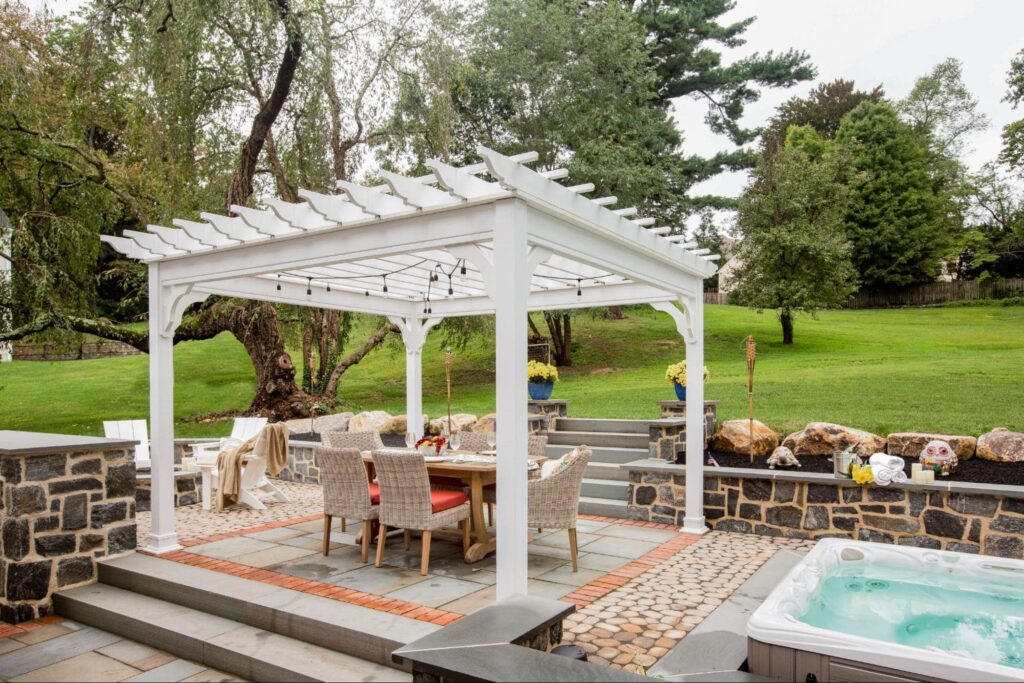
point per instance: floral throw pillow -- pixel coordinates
(553, 467)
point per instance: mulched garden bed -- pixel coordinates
(974, 470)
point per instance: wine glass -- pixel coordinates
(492, 439)
(410, 439)
(455, 442)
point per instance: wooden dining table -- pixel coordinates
(475, 475)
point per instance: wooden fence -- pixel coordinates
(937, 293)
(713, 296)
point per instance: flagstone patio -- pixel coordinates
(640, 588)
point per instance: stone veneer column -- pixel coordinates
(552, 409)
(66, 501)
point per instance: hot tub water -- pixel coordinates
(938, 609)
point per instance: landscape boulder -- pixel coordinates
(910, 444)
(370, 421)
(826, 438)
(460, 422)
(1001, 445)
(487, 423)
(398, 425)
(733, 436)
(323, 423)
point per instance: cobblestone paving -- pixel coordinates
(637, 624)
(193, 522)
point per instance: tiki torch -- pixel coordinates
(751, 349)
(448, 381)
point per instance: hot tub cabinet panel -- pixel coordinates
(787, 664)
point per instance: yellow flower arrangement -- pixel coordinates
(862, 474)
(677, 373)
(541, 372)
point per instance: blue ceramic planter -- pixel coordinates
(680, 391)
(540, 391)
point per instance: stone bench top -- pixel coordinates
(952, 486)
(14, 443)
(683, 403)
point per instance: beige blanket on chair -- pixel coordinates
(229, 463)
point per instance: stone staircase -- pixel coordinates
(613, 442)
(253, 630)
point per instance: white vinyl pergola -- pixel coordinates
(495, 237)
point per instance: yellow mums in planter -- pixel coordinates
(541, 372)
(677, 373)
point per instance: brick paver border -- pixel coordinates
(8, 630)
(581, 597)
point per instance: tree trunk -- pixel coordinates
(614, 313)
(560, 329)
(786, 318)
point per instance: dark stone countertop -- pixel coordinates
(38, 443)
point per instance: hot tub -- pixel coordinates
(869, 611)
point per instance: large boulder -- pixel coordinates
(825, 438)
(733, 436)
(910, 444)
(370, 421)
(487, 423)
(1001, 445)
(398, 425)
(323, 423)
(460, 422)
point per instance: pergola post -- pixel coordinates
(162, 536)
(693, 522)
(690, 324)
(511, 285)
(414, 335)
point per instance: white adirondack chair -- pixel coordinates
(135, 430)
(243, 429)
(254, 482)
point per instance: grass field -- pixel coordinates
(956, 370)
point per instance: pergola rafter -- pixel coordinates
(513, 240)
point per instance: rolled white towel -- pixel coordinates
(885, 460)
(883, 475)
(899, 477)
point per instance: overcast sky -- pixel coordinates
(872, 42)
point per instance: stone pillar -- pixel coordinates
(552, 409)
(678, 409)
(66, 501)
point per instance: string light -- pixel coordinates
(279, 283)
(579, 291)
(309, 286)
(434, 276)
(385, 278)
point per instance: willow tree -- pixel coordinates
(173, 108)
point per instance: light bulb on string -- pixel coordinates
(309, 286)
(328, 286)
(279, 282)
(579, 291)
(450, 290)
(385, 278)
(462, 268)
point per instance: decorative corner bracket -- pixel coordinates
(174, 300)
(682, 317)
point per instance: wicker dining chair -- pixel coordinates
(362, 441)
(474, 442)
(347, 492)
(408, 502)
(536, 446)
(553, 502)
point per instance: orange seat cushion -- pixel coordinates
(374, 494)
(445, 500)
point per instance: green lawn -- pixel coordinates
(958, 370)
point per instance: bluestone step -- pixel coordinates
(603, 488)
(602, 454)
(602, 439)
(358, 631)
(606, 470)
(574, 424)
(244, 651)
(603, 506)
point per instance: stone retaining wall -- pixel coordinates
(668, 441)
(61, 511)
(300, 465)
(964, 517)
(186, 490)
